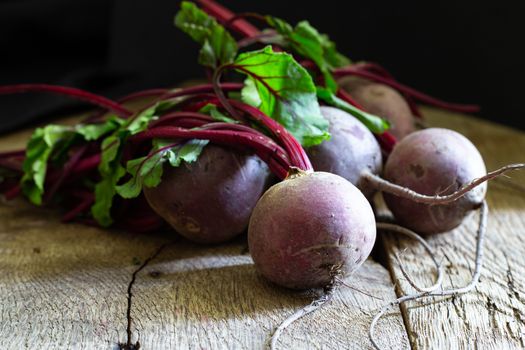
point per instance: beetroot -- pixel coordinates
(434, 161)
(351, 150)
(309, 229)
(210, 200)
(384, 101)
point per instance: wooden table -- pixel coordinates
(67, 286)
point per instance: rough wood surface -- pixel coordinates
(64, 286)
(493, 317)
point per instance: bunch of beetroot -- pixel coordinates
(201, 158)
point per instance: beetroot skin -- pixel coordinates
(308, 228)
(210, 200)
(351, 150)
(384, 101)
(434, 161)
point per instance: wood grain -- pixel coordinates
(64, 286)
(493, 317)
(213, 299)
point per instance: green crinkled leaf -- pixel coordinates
(130, 189)
(281, 26)
(147, 171)
(110, 151)
(308, 42)
(110, 168)
(92, 132)
(188, 152)
(140, 122)
(286, 91)
(218, 46)
(51, 144)
(104, 193)
(38, 151)
(373, 123)
(142, 169)
(111, 172)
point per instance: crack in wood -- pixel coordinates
(510, 282)
(397, 289)
(128, 345)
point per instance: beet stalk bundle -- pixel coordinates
(84, 158)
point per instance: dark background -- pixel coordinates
(460, 51)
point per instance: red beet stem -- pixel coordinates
(86, 164)
(197, 91)
(204, 88)
(292, 147)
(309, 64)
(356, 71)
(169, 118)
(257, 38)
(279, 152)
(223, 15)
(191, 106)
(264, 147)
(79, 94)
(294, 150)
(11, 164)
(343, 95)
(387, 141)
(188, 123)
(66, 171)
(236, 127)
(220, 93)
(86, 202)
(245, 15)
(133, 96)
(13, 192)
(143, 94)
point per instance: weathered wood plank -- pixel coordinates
(492, 317)
(64, 286)
(213, 299)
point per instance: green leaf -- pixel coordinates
(188, 152)
(140, 122)
(308, 42)
(286, 92)
(217, 115)
(51, 144)
(104, 193)
(147, 171)
(249, 93)
(38, 151)
(111, 172)
(281, 26)
(110, 151)
(92, 132)
(218, 46)
(373, 123)
(110, 168)
(133, 187)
